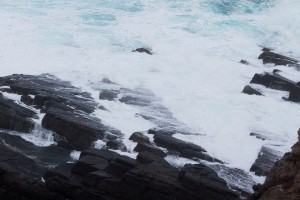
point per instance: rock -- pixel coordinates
(268, 79)
(174, 143)
(294, 94)
(249, 90)
(125, 178)
(161, 131)
(282, 182)
(15, 117)
(109, 95)
(103, 153)
(121, 165)
(143, 50)
(139, 138)
(116, 145)
(185, 149)
(237, 179)
(20, 177)
(200, 177)
(244, 62)
(276, 85)
(26, 99)
(268, 136)
(277, 59)
(131, 100)
(142, 147)
(87, 164)
(146, 157)
(265, 161)
(79, 130)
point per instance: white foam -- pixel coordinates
(75, 155)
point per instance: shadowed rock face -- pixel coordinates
(283, 180)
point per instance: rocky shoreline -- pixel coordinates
(62, 111)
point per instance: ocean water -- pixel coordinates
(194, 71)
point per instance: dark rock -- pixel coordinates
(276, 70)
(15, 117)
(109, 95)
(11, 121)
(265, 161)
(266, 49)
(116, 145)
(195, 155)
(147, 157)
(277, 59)
(141, 147)
(89, 164)
(172, 143)
(28, 100)
(237, 179)
(244, 62)
(18, 109)
(124, 178)
(200, 177)
(103, 153)
(44, 157)
(185, 149)
(131, 100)
(20, 177)
(294, 94)
(249, 90)
(279, 86)
(121, 165)
(139, 138)
(143, 50)
(80, 130)
(161, 131)
(268, 79)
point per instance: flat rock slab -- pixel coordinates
(265, 161)
(269, 57)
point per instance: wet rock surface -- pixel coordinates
(282, 182)
(103, 174)
(270, 57)
(275, 80)
(265, 161)
(48, 106)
